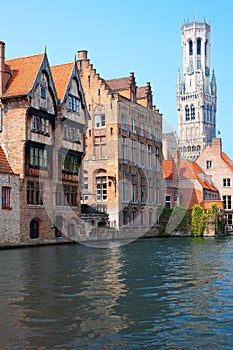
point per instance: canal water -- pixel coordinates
(172, 293)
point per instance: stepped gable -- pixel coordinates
(24, 71)
(4, 164)
(61, 76)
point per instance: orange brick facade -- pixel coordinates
(124, 127)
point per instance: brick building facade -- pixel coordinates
(219, 166)
(123, 157)
(10, 202)
(41, 127)
(186, 184)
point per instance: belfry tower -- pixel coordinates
(196, 91)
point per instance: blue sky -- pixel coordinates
(143, 37)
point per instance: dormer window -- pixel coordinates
(73, 104)
(43, 92)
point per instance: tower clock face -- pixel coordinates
(207, 71)
(190, 70)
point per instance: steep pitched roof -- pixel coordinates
(4, 164)
(187, 170)
(141, 92)
(227, 160)
(61, 76)
(167, 170)
(24, 71)
(118, 84)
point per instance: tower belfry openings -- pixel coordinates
(196, 91)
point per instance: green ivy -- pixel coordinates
(197, 221)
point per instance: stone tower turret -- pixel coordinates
(197, 94)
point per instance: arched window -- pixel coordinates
(190, 47)
(198, 148)
(193, 148)
(187, 113)
(34, 229)
(184, 149)
(189, 148)
(198, 46)
(192, 112)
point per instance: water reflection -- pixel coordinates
(158, 294)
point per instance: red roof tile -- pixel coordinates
(4, 164)
(141, 92)
(61, 76)
(118, 84)
(227, 160)
(188, 171)
(24, 70)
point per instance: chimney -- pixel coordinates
(82, 55)
(2, 66)
(217, 145)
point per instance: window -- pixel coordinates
(101, 188)
(38, 157)
(133, 151)
(150, 190)
(229, 220)
(34, 193)
(227, 202)
(124, 191)
(190, 47)
(71, 133)
(157, 197)
(156, 157)
(187, 113)
(40, 125)
(192, 112)
(149, 135)
(209, 164)
(66, 195)
(133, 128)
(141, 129)
(156, 134)
(134, 189)
(142, 154)
(133, 217)
(73, 103)
(100, 147)
(142, 189)
(124, 149)
(198, 63)
(69, 163)
(6, 197)
(168, 201)
(226, 182)
(149, 156)
(124, 217)
(99, 120)
(124, 123)
(198, 46)
(43, 92)
(85, 187)
(142, 218)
